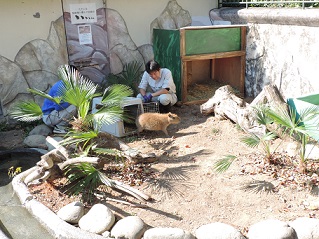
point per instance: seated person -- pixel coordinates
(157, 85)
(55, 115)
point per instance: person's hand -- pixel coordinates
(147, 98)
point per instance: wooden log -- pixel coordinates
(270, 96)
(226, 105)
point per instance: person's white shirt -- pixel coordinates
(165, 81)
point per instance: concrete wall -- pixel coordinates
(281, 49)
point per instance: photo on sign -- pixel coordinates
(85, 34)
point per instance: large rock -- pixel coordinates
(72, 212)
(306, 228)
(131, 227)
(218, 230)
(271, 228)
(41, 129)
(12, 82)
(35, 141)
(167, 233)
(173, 17)
(98, 219)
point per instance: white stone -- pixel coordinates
(218, 230)
(98, 219)
(306, 228)
(167, 233)
(271, 228)
(131, 227)
(72, 212)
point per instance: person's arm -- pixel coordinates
(160, 92)
(142, 91)
(143, 84)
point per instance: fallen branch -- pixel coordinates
(58, 146)
(93, 160)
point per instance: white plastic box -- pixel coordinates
(117, 129)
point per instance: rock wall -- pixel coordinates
(281, 48)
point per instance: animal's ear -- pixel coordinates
(169, 114)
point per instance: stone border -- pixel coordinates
(48, 219)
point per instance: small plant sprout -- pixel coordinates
(223, 164)
(12, 172)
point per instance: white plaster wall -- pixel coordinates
(18, 25)
(138, 14)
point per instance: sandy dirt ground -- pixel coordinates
(188, 193)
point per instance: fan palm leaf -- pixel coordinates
(83, 138)
(261, 115)
(83, 179)
(56, 99)
(77, 89)
(223, 164)
(108, 115)
(115, 94)
(26, 111)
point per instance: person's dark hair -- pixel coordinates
(152, 66)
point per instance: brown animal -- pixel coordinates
(156, 121)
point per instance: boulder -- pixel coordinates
(131, 227)
(72, 212)
(98, 219)
(218, 230)
(271, 228)
(167, 233)
(306, 228)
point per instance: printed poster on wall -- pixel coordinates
(85, 34)
(83, 13)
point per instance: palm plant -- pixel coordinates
(130, 76)
(301, 127)
(253, 140)
(83, 179)
(79, 91)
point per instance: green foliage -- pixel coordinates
(26, 111)
(300, 127)
(223, 164)
(83, 179)
(12, 172)
(111, 110)
(130, 76)
(80, 139)
(79, 91)
(265, 140)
